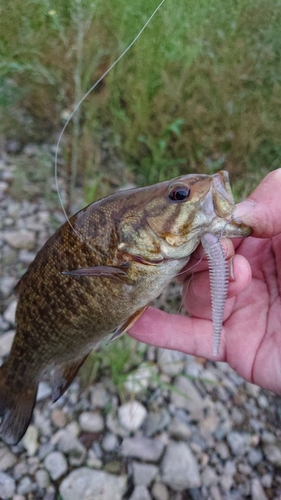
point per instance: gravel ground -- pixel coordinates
(190, 430)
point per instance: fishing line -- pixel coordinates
(80, 102)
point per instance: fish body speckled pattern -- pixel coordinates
(98, 277)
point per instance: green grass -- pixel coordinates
(200, 90)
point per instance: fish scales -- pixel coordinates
(98, 274)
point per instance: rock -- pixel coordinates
(273, 454)
(131, 415)
(42, 422)
(239, 443)
(44, 391)
(32, 150)
(45, 449)
(186, 396)
(7, 486)
(179, 467)
(30, 440)
(138, 381)
(9, 314)
(209, 424)
(170, 362)
(20, 470)
(33, 464)
(146, 449)
(179, 429)
(266, 480)
(6, 341)
(42, 478)
(115, 427)
(244, 469)
(26, 257)
(209, 477)
(160, 492)
(7, 458)
(257, 490)
(55, 464)
(110, 442)
(25, 486)
(93, 461)
(4, 325)
(254, 457)
(227, 477)
(86, 484)
(99, 396)
(7, 285)
(222, 450)
(143, 474)
(268, 437)
(20, 239)
(4, 186)
(70, 445)
(156, 422)
(140, 493)
(262, 401)
(59, 418)
(91, 421)
(215, 493)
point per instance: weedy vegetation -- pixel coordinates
(199, 91)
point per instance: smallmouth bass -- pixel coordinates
(99, 273)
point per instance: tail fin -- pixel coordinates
(16, 408)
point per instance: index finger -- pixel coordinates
(181, 333)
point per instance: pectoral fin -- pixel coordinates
(123, 327)
(118, 273)
(64, 375)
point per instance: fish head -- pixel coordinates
(168, 219)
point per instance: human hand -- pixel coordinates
(251, 335)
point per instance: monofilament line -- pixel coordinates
(80, 102)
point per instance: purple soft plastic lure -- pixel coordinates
(219, 277)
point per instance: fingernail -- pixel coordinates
(244, 208)
(231, 270)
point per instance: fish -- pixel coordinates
(98, 273)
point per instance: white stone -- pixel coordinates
(44, 391)
(140, 493)
(7, 458)
(110, 442)
(87, 484)
(30, 440)
(20, 239)
(56, 464)
(187, 396)
(139, 380)
(179, 467)
(257, 490)
(7, 486)
(131, 415)
(171, 362)
(144, 473)
(9, 314)
(6, 341)
(91, 421)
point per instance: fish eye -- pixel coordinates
(179, 193)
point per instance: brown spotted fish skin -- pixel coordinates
(99, 275)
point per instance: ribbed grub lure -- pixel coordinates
(219, 278)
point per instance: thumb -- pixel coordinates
(261, 210)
